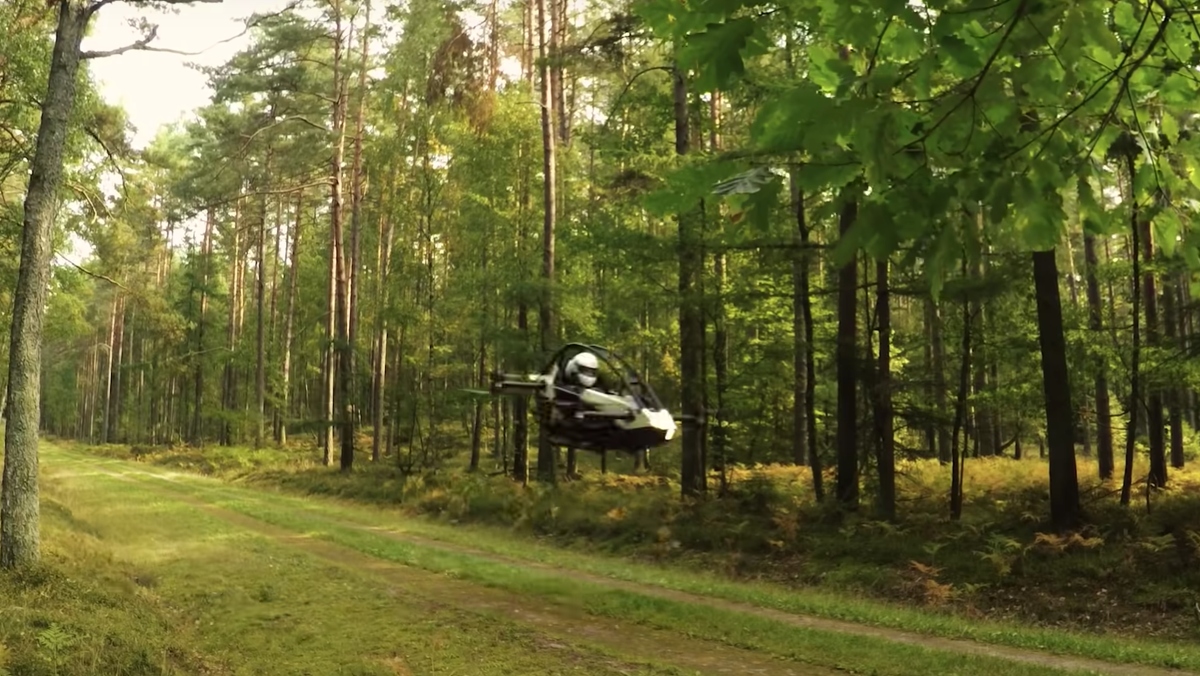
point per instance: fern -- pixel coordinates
(55, 640)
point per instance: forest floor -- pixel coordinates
(189, 574)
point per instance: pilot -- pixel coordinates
(583, 370)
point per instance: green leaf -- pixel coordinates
(961, 52)
(685, 187)
(1170, 127)
(999, 199)
(814, 177)
(826, 70)
(1038, 221)
(1191, 249)
(783, 120)
(1166, 229)
(716, 53)
(945, 250)
(879, 229)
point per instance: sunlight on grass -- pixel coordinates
(300, 514)
(137, 584)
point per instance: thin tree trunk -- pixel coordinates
(353, 274)
(847, 369)
(1154, 400)
(289, 322)
(800, 346)
(938, 355)
(386, 235)
(691, 318)
(885, 428)
(547, 78)
(260, 293)
(197, 437)
(112, 431)
(341, 399)
(1104, 439)
(1174, 395)
(958, 450)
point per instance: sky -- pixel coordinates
(158, 88)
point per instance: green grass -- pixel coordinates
(135, 583)
(313, 517)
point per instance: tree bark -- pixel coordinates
(353, 275)
(1056, 384)
(1174, 395)
(20, 536)
(691, 319)
(547, 40)
(343, 396)
(847, 369)
(197, 436)
(885, 427)
(289, 322)
(1154, 400)
(1104, 439)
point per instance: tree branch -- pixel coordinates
(143, 45)
(111, 158)
(140, 45)
(94, 275)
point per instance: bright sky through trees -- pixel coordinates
(158, 88)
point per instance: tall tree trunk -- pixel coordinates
(800, 346)
(382, 275)
(958, 450)
(196, 436)
(520, 405)
(1104, 439)
(260, 293)
(1082, 414)
(979, 364)
(342, 395)
(229, 375)
(1064, 483)
(109, 368)
(691, 318)
(20, 537)
(558, 37)
(112, 431)
(353, 275)
(885, 428)
(289, 322)
(1174, 395)
(547, 77)
(720, 433)
(933, 313)
(1135, 353)
(847, 368)
(1154, 400)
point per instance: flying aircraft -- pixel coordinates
(619, 416)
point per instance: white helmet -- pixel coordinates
(583, 368)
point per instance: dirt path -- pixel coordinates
(708, 657)
(629, 642)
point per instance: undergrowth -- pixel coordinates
(80, 612)
(1131, 570)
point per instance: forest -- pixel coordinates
(925, 269)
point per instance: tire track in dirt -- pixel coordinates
(629, 642)
(961, 646)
